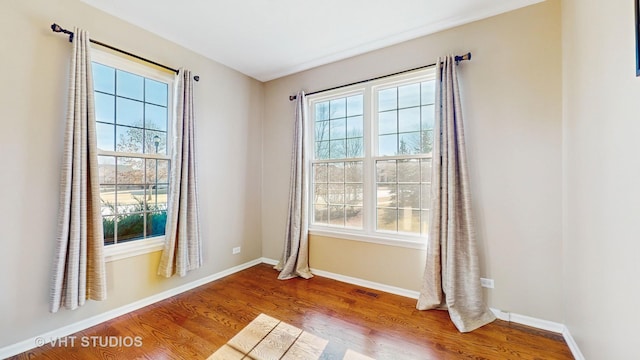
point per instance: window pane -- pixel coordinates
(336, 172)
(353, 216)
(409, 95)
(355, 148)
(387, 219)
(387, 99)
(129, 85)
(105, 136)
(337, 149)
(322, 131)
(320, 173)
(428, 92)
(104, 78)
(387, 195)
(150, 166)
(338, 129)
(386, 171)
(320, 194)
(322, 150)
(424, 219)
(426, 140)
(387, 145)
(409, 221)
(354, 127)
(409, 120)
(108, 227)
(426, 197)
(155, 142)
(409, 143)
(426, 170)
(129, 112)
(388, 122)
(163, 171)
(427, 117)
(106, 170)
(156, 223)
(336, 194)
(409, 170)
(408, 196)
(130, 227)
(336, 215)
(156, 197)
(320, 214)
(322, 111)
(354, 105)
(129, 139)
(155, 92)
(105, 108)
(155, 117)
(353, 171)
(130, 170)
(108, 200)
(337, 108)
(130, 198)
(353, 194)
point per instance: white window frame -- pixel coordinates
(368, 233)
(151, 244)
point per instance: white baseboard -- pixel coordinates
(30, 343)
(368, 284)
(529, 321)
(269, 261)
(502, 315)
(573, 346)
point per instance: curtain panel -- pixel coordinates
(79, 270)
(183, 245)
(295, 256)
(452, 274)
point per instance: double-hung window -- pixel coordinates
(133, 122)
(371, 164)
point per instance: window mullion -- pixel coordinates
(369, 168)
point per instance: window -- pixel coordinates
(371, 167)
(338, 184)
(133, 118)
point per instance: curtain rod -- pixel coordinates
(458, 58)
(57, 28)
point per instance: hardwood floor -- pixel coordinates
(196, 323)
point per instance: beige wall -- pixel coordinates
(512, 103)
(34, 61)
(601, 172)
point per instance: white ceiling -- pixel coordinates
(267, 39)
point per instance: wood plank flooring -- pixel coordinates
(193, 325)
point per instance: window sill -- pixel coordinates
(133, 248)
(419, 243)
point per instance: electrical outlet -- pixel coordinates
(487, 283)
(236, 250)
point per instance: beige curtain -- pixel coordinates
(78, 270)
(295, 256)
(452, 275)
(183, 246)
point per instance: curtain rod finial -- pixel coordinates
(57, 28)
(459, 58)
